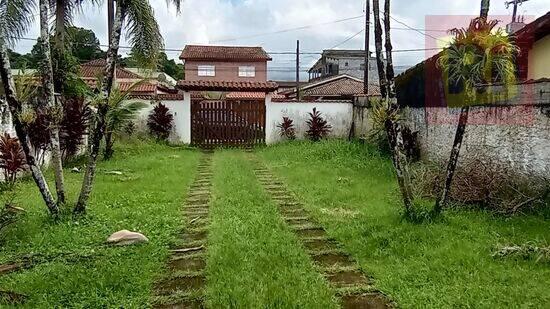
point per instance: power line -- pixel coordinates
(348, 39)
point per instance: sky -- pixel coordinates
(253, 23)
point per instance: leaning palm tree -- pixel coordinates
(144, 34)
(15, 18)
(122, 111)
(478, 55)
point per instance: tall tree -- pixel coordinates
(387, 85)
(15, 18)
(54, 109)
(144, 35)
(460, 128)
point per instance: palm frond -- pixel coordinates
(143, 31)
(176, 3)
(121, 109)
(16, 16)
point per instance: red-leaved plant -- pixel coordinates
(286, 128)
(39, 133)
(160, 122)
(74, 125)
(12, 158)
(317, 126)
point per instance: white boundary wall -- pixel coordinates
(181, 110)
(338, 115)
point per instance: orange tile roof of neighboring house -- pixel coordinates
(340, 85)
(143, 87)
(231, 53)
(94, 69)
(251, 96)
(160, 97)
(203, 85)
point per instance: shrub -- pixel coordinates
(160, 122)
(39, 133)
(286, 128)
(74, 125)
(12, 158)
(484, 182)
(317, 126)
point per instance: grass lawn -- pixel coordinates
(351, 190)
(254, 260)
(147, 198)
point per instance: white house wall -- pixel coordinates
(338, 115)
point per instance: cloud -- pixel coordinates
(215, 21)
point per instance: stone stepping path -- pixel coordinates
(184, 287)
(352, 286)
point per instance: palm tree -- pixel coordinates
(388, 108)
(477, 55)
(121, 112)
(54, 109)
(15, 18)
(144, 35)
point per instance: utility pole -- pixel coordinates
(515, 3)
(298, 70)
(367, 52)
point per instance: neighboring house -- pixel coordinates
(288, 85)
(350, 62)
(340, 87)
(225, 63)
(161, 77)
(91, 72)
(534, 43)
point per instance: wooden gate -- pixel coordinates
(227, 123)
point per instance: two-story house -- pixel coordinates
(225, 63)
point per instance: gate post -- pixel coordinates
(186, 130)
(268, 119)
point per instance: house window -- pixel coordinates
(207, 70)
(247, 71)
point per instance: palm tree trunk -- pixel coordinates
(20, 129)
(484, 12)
(109, 143)
(399, 148)
(378, 47)
(59, 48)
(453, 160)
(102, 109)
(459, 137)
(387, 88)
(53, 108)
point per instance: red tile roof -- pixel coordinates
(337, 86)
(203, 85)
(251, 96)
(230, 53)
(160, 97)
(143, 87)
(94, 69)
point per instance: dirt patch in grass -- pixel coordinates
(187, 264)
(183, 284)
(319, 245)
(365, 301)
(187, 304)
(313, 232)
(347, 278)
(333, 259)
(192, 236)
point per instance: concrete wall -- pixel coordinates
(338, 115)
(226, 71)
(515, 133)
(181, 110)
